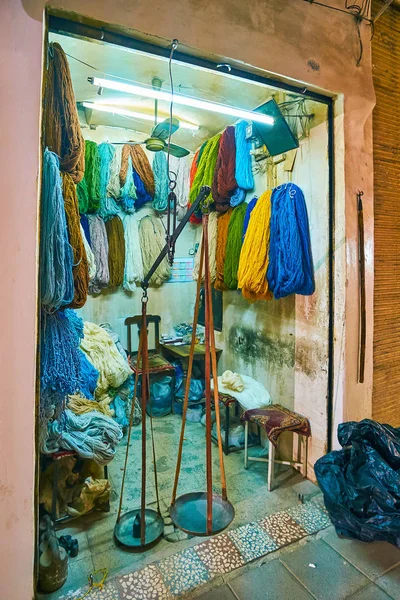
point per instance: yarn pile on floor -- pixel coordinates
(91, 435)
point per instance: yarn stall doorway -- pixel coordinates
(112, 151)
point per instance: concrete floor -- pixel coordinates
(246, 490)
(321, 567)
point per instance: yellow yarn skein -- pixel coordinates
(254, 257)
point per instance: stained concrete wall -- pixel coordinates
(296, 40)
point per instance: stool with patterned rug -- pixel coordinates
(274, 420)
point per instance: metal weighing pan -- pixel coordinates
(189, 513)
(127, 529)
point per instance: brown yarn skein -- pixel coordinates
(116, 251)
(222, 237)
(81, 269)
(143, 168)
(62, 132)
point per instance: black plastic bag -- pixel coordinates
(361, 482)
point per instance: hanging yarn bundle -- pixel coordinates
(99, 244)
(92, 435)
(101, 351)
(205, 170)
(290, 269)
(81, 268)
(253, 262)
(88, 377)
(85, 225)
(133, 271)
(180, 168)
(222, 237)
(88, 189)
(89, 255)
(249, 210)
(142, 195)
(114, 185)
(224, 182)
(60, 364)
(161, 179)
(56, 256)
(142, 167)
(243, 171)
(108, 206)
(62, 132)
(116, 251)
(234, 246)
(212, 248)
(152, 241)
(128, 194)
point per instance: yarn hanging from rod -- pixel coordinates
(114, 184)
(116, 251)
(108, 206)
(92, 436)
(222, 237)
(212, 248)
(224, 182)
(254, 256)
(234, 246)
(128, 195)
(142, 167)
(249, 210)
(152, 241)
(161, 179)
(243, 170)
(80, 265)
(85, 225)
(290, 269)
(142, 195)
(205, 170)
(62, 131)
(133, 271)
(88, 189)
(56, 255)
(88, 377)
(99, 244)
(89, 255)
(180, 167)
(60, 363)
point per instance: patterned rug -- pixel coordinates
(176, 575)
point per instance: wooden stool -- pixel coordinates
(274, 420)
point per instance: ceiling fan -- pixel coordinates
(160, 132)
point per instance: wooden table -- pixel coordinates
(182, 352)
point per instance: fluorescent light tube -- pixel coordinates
(222, 109)
(132, 114)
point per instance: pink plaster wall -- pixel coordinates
(287, 37)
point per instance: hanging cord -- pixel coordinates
(171, 180)
(189, 376)
(138, 358)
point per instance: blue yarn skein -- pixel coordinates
(160, 170)
(108, 206)
(243, 171)
(143, 195)
(60, 363)
(290, 269)
(56, 256)
(86, 229)
(129, 192)
(249, 210)
(88, 376)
